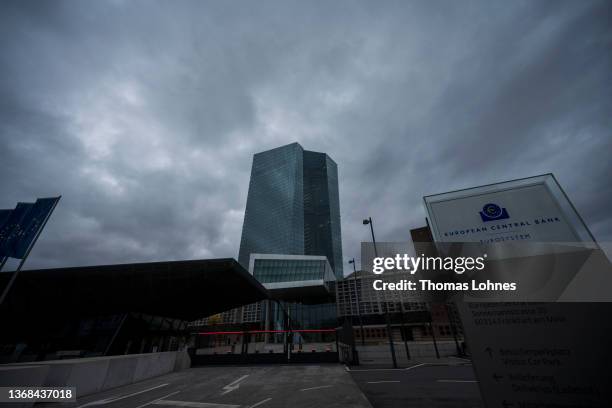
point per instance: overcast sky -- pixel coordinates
(144, 116)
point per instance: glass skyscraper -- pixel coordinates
(293, 206)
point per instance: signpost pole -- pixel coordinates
(451, 319)
(405, 332)
(352, 261)
(387, 317)
(390, 335)
(433, 335)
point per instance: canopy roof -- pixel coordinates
(185, 290)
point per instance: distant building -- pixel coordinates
(293, 206)
(410, 318)
(413, 316)
(251, 313)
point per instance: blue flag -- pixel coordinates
(32, 223)
(4, 215)
(12, 228)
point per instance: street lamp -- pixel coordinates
(352, 261)
(368, 221)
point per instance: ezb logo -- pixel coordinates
(493, 212)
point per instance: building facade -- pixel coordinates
(293, 277)
(293, 206)
(411, 319)
(291, 241)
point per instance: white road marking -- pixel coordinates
(194, 404)
(461, 358)
(415, 366)
(387, 369)
(458, 381)
(316, 388)
(260, 403)
(234, 385)
(377, 369)
(380, 382)
(111, 399)
(155, 400)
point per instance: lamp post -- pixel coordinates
(451, 318)
(352, 261)
(369, 221)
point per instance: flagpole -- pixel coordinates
(42, 227)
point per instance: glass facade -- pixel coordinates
(312, 311)
(274, 216)
(318, 316)
(291, 270)
(305, 317)
(334, 218)
(322, 209)
(293, 206)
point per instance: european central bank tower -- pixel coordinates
(293, 206)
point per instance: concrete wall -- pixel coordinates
(91, 375)
(26, 376)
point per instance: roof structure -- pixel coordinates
(184, 290)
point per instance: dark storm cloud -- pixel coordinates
(145, 115)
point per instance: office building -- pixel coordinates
(290, 243)
(293, 206)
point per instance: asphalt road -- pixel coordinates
(420, 385)
(273, 386)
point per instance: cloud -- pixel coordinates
(145, 115)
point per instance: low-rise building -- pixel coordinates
(410, 318)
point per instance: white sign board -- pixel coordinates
(534, 209)
(531, 354)
(541, 354)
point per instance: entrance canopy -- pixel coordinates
(185, 290)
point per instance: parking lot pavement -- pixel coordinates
(420, 385)
(272, 386)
